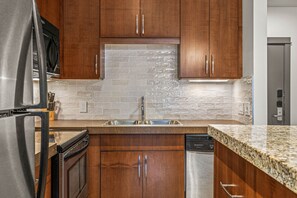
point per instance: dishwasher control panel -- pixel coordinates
(201, 142)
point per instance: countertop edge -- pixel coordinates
(269, 165)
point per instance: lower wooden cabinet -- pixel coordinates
(163, 174)
(136, 166)
(48, 187)
(236, 176)
(121, 174)
(142, 174)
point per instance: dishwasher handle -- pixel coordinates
(76, 152)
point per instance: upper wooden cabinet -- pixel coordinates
(50, 10)
(119, 18)
(211, 39)
(160, 18)
(140, 18)
(80, 44)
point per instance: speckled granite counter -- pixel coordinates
(98, 127)
(272, 149)
(58, 138)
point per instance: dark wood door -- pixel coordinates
(194, 48)
(121, 174)
(160, 18)
(119, 18)
(225, 38)
(163, 174)
(80, 39)
(51, 11)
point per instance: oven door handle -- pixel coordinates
(77, 152)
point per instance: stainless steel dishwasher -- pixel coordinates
(199, 166)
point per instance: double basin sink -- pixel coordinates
(144, 123)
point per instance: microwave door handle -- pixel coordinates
(43, 152)
(41, 59)
(77, 152)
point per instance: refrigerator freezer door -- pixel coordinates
(17, 156)
(16, 59)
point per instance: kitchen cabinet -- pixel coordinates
(119, 18)
(140, 18)
(211, 39)
(239, 177)
(80, 40)
(48, 187)
(136, 166)
(163, 174)
(142, 174)
(121, 174)
(93, 164)
(50, 10)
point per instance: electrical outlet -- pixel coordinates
(241, 109)
(247, 109)
(83, 107)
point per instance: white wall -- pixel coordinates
(260, 61)
(247, 38)
(282, 22)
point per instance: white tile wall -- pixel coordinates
(133, 71)
(242, 95)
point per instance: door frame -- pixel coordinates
(286, 42)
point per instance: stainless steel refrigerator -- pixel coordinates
(17, 111)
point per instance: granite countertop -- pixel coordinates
(57, 138)
(98, 127)
(272, 149)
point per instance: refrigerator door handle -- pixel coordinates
(43, 152)
(41, 59)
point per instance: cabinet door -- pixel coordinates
(121, 174)
(233, 172)
(48, 187)
(81, 39)
(163, 174)
(194, 48)
(119, 18)
(50, 10)
(224, 38)
(160, 18)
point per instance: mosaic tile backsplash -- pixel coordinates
(133, 71)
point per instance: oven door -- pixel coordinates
(74, 172)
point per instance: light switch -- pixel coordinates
(247, 109)
(241, 109)
(83, 107)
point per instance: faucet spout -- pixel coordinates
(142, 109)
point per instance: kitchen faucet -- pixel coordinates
(142, 109)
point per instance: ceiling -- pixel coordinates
(282, 3)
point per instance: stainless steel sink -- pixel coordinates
(121, 122)
(139, 122)
(162, 122)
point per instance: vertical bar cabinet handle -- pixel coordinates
(96, 64)
(145, 165)
(143, 24)
(206, 64)
(139, 167)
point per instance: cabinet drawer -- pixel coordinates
(142, 142)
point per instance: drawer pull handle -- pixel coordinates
(145, 165)
(206, 64)
(139, 167)
(224, 186)
(137, 24)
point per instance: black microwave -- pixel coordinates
(51, 41)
